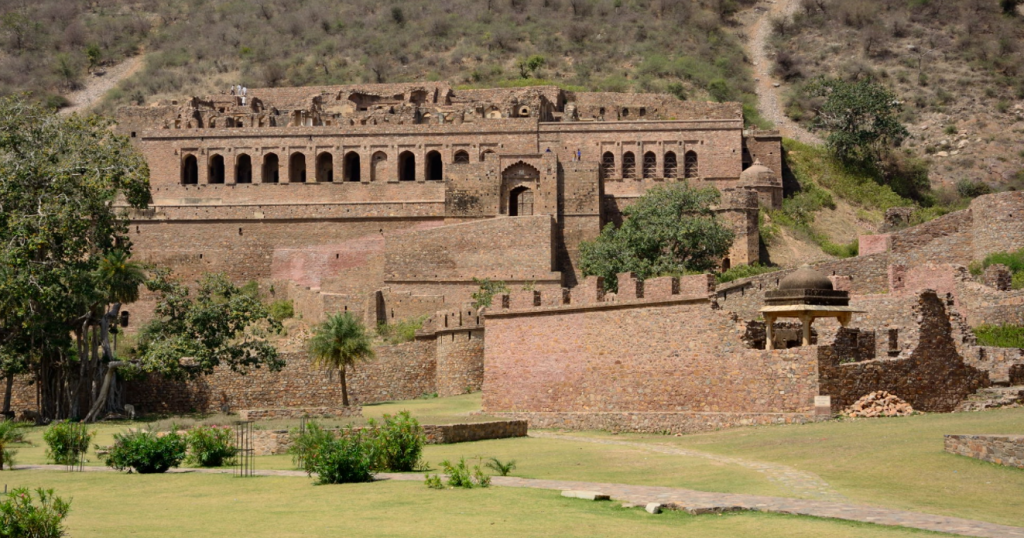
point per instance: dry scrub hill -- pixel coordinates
(197, 47)
(958, 65)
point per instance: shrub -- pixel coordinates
(211, 446)
(403, 331)
(67, 442)
(1013, 260)
(460, 476)
(20, 517)
(307, 443)
(502, 468)
(282, 309)
(146, 452)
(971, 189)
(488, 289)
(396, 443)
(342, 460)
(1000, 335)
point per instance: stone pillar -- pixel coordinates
(769, 332)
(806, 321)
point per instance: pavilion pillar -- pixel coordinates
(769, 332)
(807, 320)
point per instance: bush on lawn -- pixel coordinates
(146, 452)
(211, 446)
(21, 517)
(67, 442)
(396, 443)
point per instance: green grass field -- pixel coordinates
(109, 504)
(896, 463)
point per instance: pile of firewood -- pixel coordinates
(879, 404)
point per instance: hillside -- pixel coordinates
(958, 67)
(204, 46)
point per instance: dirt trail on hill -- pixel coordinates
(97, 86)
(768, 95)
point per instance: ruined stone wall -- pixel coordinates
(998, 223)
(931, 377)
(460, 361)
(999, 449)
(654, 422)
(400, 372)
(764, 146)
(638, 356)
(997, 361)
(919, 237)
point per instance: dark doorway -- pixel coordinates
(520, 202)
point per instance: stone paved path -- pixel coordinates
(800, 483)
(698, 502)
(96, 87)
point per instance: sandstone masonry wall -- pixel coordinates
(999, 449)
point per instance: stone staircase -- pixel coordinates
(993, 397)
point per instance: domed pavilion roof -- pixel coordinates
(806, 278)
(757, 174)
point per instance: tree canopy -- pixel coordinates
(669, 230)
(338, 343)
(862, 118)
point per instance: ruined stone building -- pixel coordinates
(416, 189)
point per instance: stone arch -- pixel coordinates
(216, 172)
(190, 170)
(671, 165)
(628, 165)
(493, 113)
(483, 156)
(650, 168)
(406, 166)
(297, 168)
(243, 168)
(608, 164)
(378, 165)
(271, 168)
(352, 167)
(520, 202)
(435, 168)
(461, 156)
(325, 167)
(691, 167)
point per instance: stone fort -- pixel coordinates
(388, 200)
(417, 189)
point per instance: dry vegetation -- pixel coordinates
(199, 46)
(958, 66)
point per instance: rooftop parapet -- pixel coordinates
(591, 293)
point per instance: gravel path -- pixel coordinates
(768, 95)
(696, 502)
(802, 483)
(97, 86)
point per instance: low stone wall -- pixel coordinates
(269, 442)
(657, 422)
(997, 361)
(999, 449)
(300, 412)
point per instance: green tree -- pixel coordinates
(862, 118)
(528, 67)
(339, 343)
(67, 186)
(10, 433)
(669, 230)
(191, 336)
(488, 288)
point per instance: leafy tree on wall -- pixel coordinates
(669, 230)
(338, 344)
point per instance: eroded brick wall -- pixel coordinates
(460, 361)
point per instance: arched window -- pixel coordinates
(406, 166)
(520, 202)
(726, 264)
(216, 170)
(650, 165)
(690, 169)
(378, 166)
(435, 169)
(352, 169)
(243, 170)
(461, 156)
(190, 170)
(325, 167)
(671, 166)
(483, 156)
(297, 168)
(608, 164)
(271, 168)
(628, 165)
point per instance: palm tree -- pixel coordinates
(119, 278)
(10, 432)
(337, 343)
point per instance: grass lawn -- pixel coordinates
(115, 504)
